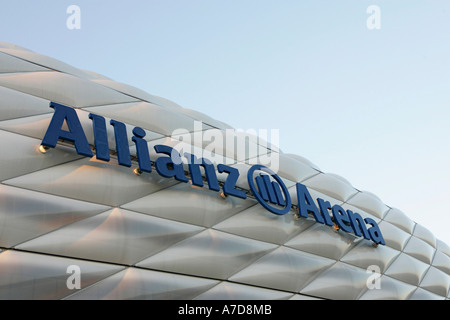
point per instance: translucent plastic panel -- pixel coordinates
(210, 254)
(369, 202)
(91, 75)
(303, 159)
(12, 64)
(436, 281)
(63, 88)
(93, 180)
(362, 212)
(303, 297)
(388, 289)
(203, 117)
(323, 241)
(33, 126)
(27, 214)
(15, 104)
(138, 284)
(149, 116)
(265, 157)
(20, 155)
(43, 60)
(7, 45)
(442, 262)
(26, 276)
(407, 269)
(399, 219)
(365, 255)
(421, 294)
(130, 90)
(194, 205)
(234, 291)
(393, 236)
(160, 101)
(443, 247)
(293, 169)
(284, 269)
(258, 223)
(138, 93)
(118, 236)
(332, 186)
(426, 235)
(419, 249)
(254, 147)
(340, 282)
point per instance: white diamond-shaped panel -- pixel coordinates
(234, 291)
(133, 283)
(25, 276)
(283, 269)
(31, 159)
(197, 206)
(15, 104)
(10, 64)
(63, 88)
(211, 253)
(118, 236)
(96, 181)
(25, 214)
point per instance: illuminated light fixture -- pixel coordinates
(43, 149)
(297, 214)
(137, 171)
(335, 227)
(193, 186)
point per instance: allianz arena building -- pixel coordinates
(98, 201)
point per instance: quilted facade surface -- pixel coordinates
(144, 236)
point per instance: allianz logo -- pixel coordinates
(264, 184)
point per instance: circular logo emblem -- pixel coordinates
(271, 194)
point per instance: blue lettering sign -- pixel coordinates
(75, 133)
(230, 182)
(267, 187)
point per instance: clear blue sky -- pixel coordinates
(369, 105)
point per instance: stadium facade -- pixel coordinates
(98, 201)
